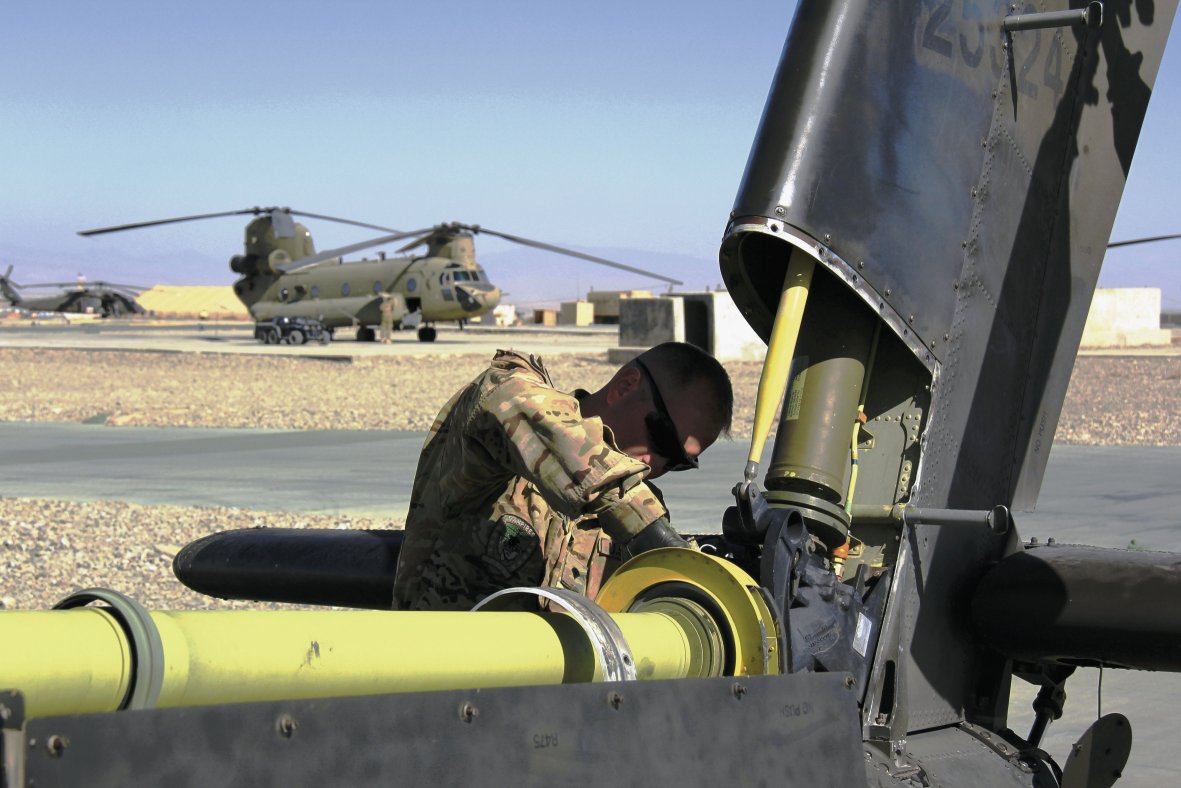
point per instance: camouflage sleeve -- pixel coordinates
(526, 426)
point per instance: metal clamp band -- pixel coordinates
(606, 638)
(147, 649)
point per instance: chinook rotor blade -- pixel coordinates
(345, 221)
(280, 217)
(1132, 241)
(320, 257)
(154, 222)
(569, 253)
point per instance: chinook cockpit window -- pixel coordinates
(462, 276)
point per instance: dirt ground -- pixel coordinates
(49, 548)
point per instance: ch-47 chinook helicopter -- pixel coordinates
(917, 236)
(106, 299)
(282, 275)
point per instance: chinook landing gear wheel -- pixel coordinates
(427, 334)
(365, 334)
(296, 337)
(271, 337)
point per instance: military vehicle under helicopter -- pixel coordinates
(105, 299)
(917, 236)
(282, 275)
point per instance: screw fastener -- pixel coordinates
(55, 745)
(286, 726)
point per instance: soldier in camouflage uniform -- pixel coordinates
(520, 484)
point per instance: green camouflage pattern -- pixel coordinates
(516, 488)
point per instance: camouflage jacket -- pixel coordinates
(516, 488)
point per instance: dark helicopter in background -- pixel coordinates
(105, 299)
(282, 275)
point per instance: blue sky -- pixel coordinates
(615, 127)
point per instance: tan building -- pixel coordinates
(193, 302)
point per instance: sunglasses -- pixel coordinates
(662, 432)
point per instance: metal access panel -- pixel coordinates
(962, 179)
(784, 730)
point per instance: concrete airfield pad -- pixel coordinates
(238, 337)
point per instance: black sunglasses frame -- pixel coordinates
(662, 430)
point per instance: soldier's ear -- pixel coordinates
(625, 383)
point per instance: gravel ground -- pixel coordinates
(49, 548)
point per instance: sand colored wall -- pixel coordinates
(1125, 317)
(193, 301)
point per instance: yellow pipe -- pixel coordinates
(74, 661)
(781, 349)
(66, 662)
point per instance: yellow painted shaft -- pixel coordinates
(75, 661)
(781, 349)
(69, 662)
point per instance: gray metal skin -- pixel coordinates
(769, 730)
(960, 182)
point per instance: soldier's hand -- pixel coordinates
(656, 534)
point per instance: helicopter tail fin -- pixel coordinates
(8, 287)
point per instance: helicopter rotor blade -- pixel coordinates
(320, 257)
(571, 253)
(1132, 241)
(345, 221)
(136, 225)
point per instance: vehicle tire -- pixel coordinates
(271, 337)
(296, 337)
(325, 337)
(427, 334)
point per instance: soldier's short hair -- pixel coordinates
(681, 364)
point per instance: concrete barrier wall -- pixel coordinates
(576, 313)
(1125, 317)
(708, 320)
(644, 322)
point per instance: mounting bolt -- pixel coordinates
(887, 292)
(850, 682)
(738, 690)
(614, 700)
(468, 712)
(286, 726)
(780, 211)
(55, 745)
